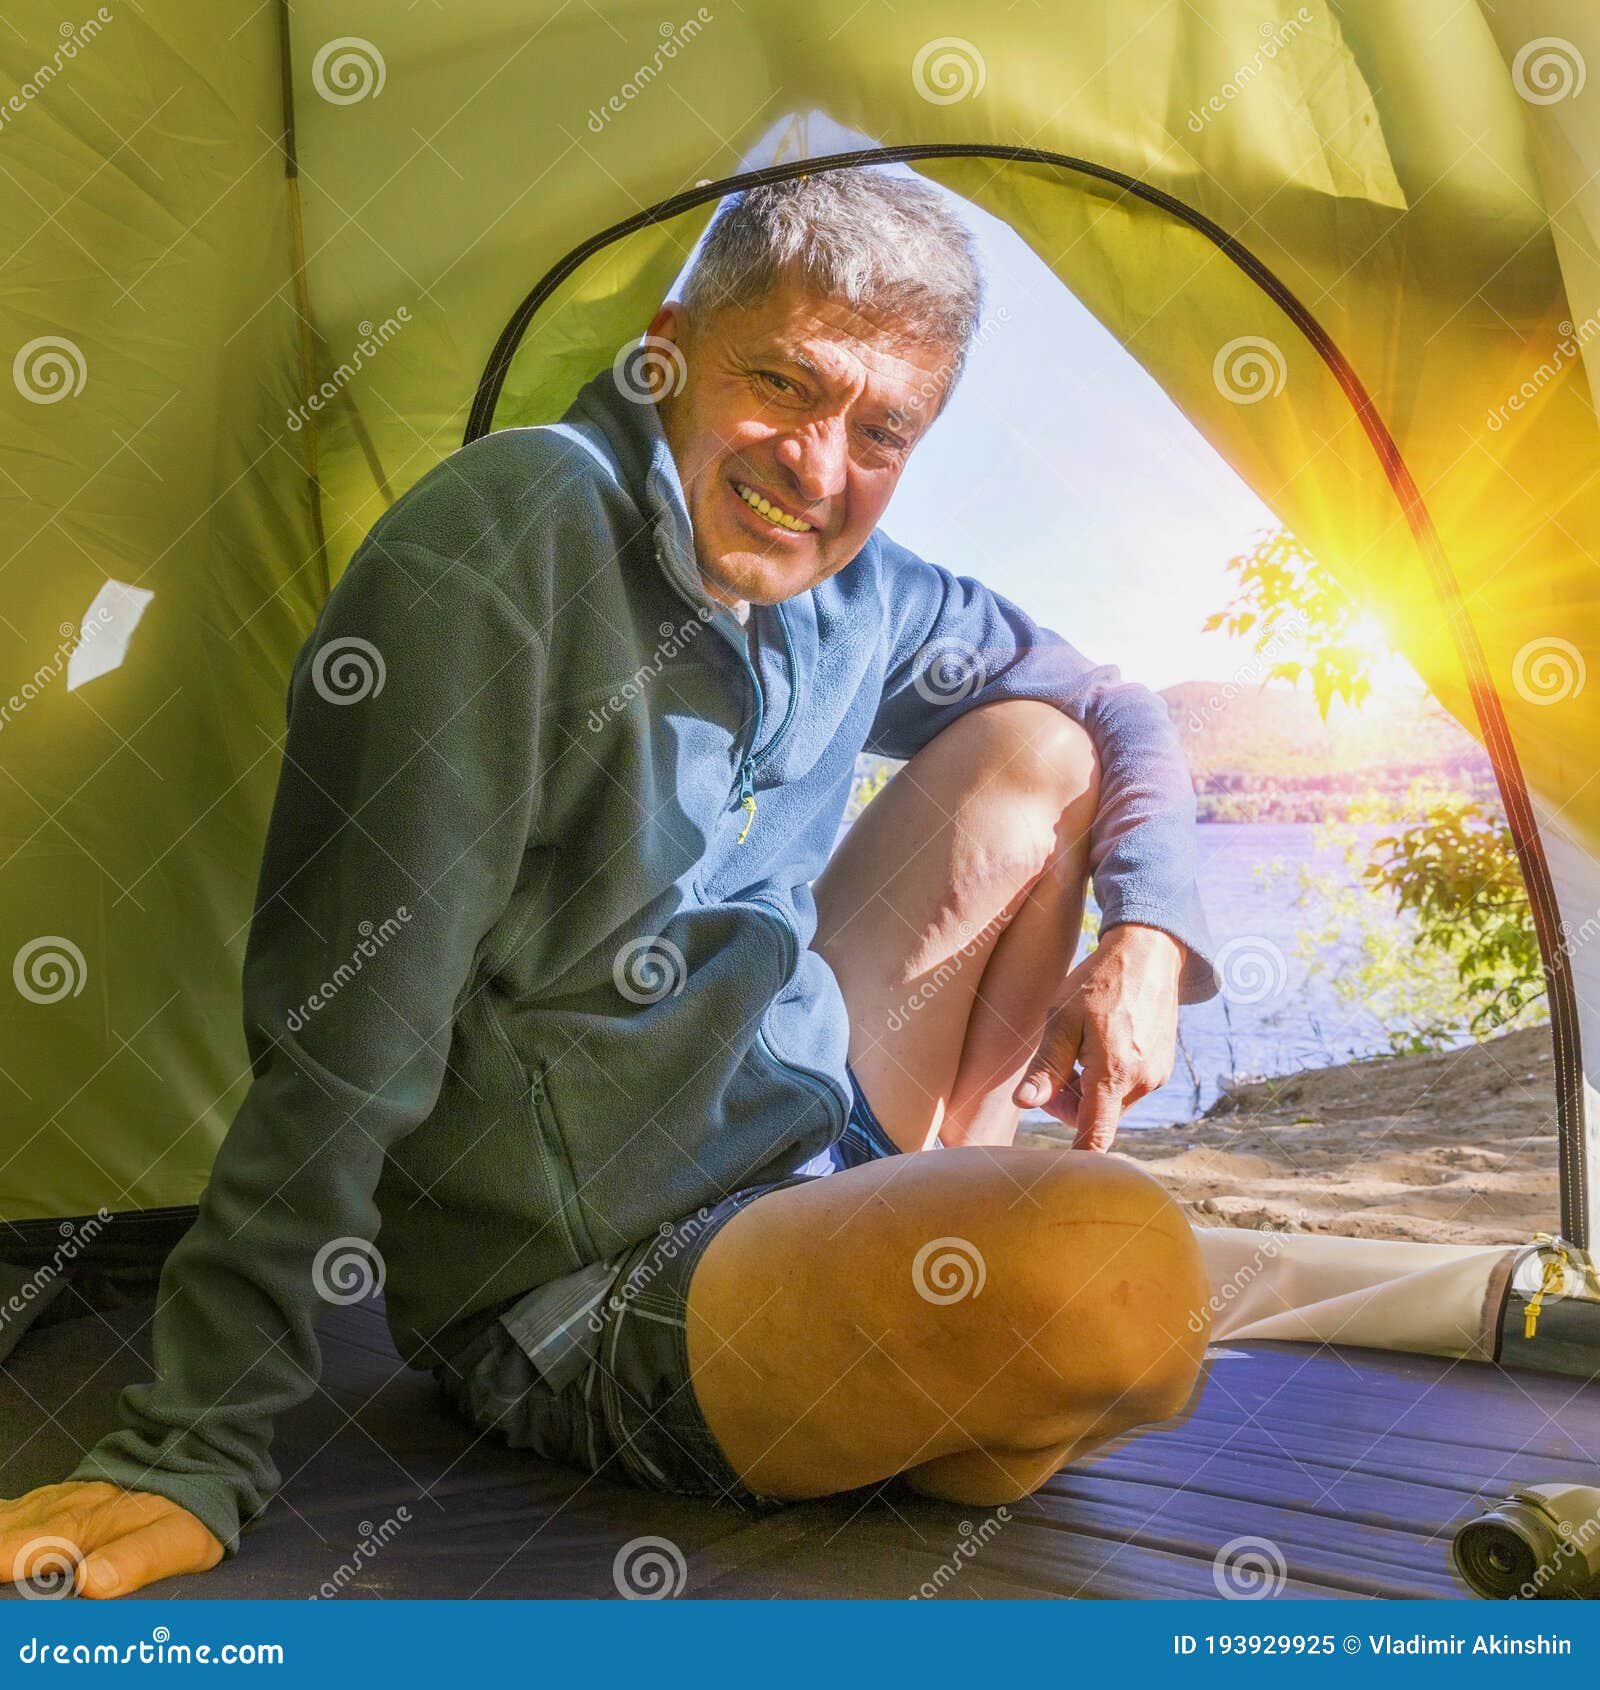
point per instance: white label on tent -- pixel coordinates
(108, 625)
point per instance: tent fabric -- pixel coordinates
(1428, 1299)
(1331, 1472)
(258, 256)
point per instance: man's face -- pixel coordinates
(804, 403)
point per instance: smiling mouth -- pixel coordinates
(780, 519)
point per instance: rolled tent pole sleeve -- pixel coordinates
(401, 816)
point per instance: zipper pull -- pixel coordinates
(747, 798)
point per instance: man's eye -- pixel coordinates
(781, 383)
(882, 437)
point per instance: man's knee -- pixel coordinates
(1033, 770)
(1105, 1299)
(1024, 742)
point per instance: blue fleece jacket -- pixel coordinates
(530, 971)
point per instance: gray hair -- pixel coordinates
(886, 244)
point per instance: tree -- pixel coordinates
(1299, 618)
(1456, 874)
(1451, 872)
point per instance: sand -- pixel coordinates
(1458, 1148)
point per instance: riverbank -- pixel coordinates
(1454, 1148)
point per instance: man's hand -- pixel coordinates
(117, 1540)
(1118, 1022)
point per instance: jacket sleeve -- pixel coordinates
(402, 812)
(954, 644)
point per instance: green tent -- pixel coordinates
(266, 264)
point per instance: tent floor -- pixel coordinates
(1354, 1463)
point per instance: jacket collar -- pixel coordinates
(615, 403)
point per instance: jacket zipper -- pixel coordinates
(743, 790)
(752, 758)
(794, 690)
(545, 1112)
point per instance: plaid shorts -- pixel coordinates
(604, 1386)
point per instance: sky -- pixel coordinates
(1062, 476)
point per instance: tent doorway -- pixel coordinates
(552, 342)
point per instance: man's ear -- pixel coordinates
(669, 323)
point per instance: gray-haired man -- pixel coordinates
(690, 1142)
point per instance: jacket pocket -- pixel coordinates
(556, 1164)
(550, 1159)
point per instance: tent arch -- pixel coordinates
(1490, 714)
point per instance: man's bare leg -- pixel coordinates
(827, 1347)
(971, 1318)
(950, 915)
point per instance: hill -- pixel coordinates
(1265, 754)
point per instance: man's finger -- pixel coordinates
(176, 1543)
(1037, 1088)
(1098, 1116)
(1050, 1069)
(1068, 1101)
(1101, 1108)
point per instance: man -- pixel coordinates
(552, 974)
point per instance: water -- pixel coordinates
(1273, 1016)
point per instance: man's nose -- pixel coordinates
(815, 457)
